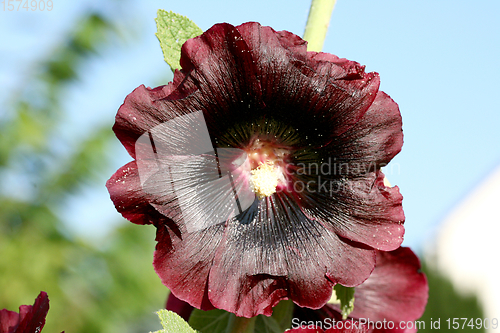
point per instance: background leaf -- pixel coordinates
(172, 322)
(217, 321)
(283, 314)
(213, 321)
(265, 324)
(346, 297)
(172, 31)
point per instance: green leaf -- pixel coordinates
(213, 321)
(173, 30)
(346, 297)
(283, 314)
(220, 321)
(172, 322)
(265, 324)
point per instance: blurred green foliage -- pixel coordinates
(108, 289)
(445, 302)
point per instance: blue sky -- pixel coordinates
(437, 59)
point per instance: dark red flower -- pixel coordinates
(390, 300)
(30, 319)
(260, 167)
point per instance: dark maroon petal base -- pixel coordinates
(182, 308)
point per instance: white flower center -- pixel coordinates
(264, 179)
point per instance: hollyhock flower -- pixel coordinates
(390, 300)
(30, 319)
(259, 165)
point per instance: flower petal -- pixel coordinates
(215, 56)
(397, 290)
(8, 321)
(32, 318)
(220, 64)
(333, 66)
(344, 184)
(129, 198)
(362, 210)
(146, 108)
(319, 103)
(183, 262)
(372, 142)
(279, 255)
(138, 114)
(250, 71)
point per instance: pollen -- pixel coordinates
(334, 299)
(264, 179)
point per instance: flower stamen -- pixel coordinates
(264, 179)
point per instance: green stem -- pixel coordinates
(317, 23)
(241, 325)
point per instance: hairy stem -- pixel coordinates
(317, 23)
